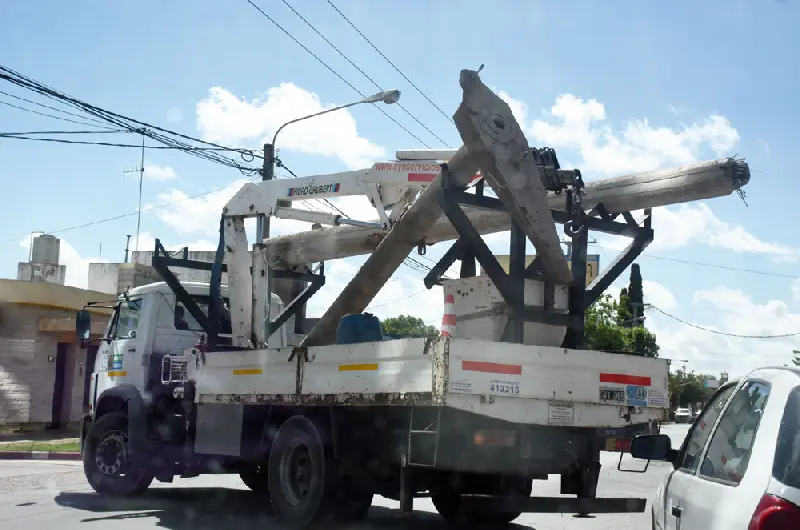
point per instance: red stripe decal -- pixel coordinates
(428, 177)
(449, 320)
(491, 368)
(623, 379)
(421, 177)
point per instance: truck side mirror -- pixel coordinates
(83, 325)
(652, 447)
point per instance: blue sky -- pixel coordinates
(695, 77)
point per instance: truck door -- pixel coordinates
(116, 359)
(682, 481)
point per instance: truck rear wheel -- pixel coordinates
(107, 462)
(299, 474)
(353, 499)
(447, 501)
(255, 478)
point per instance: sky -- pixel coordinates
(614, 91)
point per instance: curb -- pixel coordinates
(38, 455)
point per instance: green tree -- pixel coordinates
(408, 326)
(604, 330)
(688, 388)
(635, 297)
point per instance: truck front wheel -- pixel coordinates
(107, 462)
(299, 474)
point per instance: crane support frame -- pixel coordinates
(470, 246)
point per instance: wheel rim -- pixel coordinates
(296, 473)
(111, 454)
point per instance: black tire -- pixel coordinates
(299, 474)
(107, 440)
(255, 478)
(353, 499)
(447, 502)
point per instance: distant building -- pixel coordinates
(44, 373)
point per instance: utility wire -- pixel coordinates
(334, 72)
(701, 328)
(83, 117)
(62, 118)
(164, 136)
(16, 136)
(701, 264)
(346, 58)
(32, 133)
(443, 113)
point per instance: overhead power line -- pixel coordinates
(334, 72)
(354, 65)
(710, 265)
(17, 136)
(159, 134)
(61, 118)
(20, 98)
(716, 332)
(418, 89)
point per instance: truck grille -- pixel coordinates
(174, 369)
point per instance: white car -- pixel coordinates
(683, 416)
(739, 466)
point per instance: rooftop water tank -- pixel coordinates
(46, 249)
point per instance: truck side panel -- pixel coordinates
(555, 386)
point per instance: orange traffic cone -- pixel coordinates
(449, 317)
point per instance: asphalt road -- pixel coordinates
(54, 496)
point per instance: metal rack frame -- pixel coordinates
(470, 246)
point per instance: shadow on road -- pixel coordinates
(215, 508)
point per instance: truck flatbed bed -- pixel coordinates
(517, 383)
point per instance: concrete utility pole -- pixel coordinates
(638, 191)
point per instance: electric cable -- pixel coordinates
(354, 65)
(334, 72)
(418, 89)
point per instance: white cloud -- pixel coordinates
(157, 173)
(695, 223)
(658, 295)
(734, 312)
(175, 115)
(224, 118)
(796, 290)
(577, 124)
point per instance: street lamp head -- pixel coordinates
(387, 96)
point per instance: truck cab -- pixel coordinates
(149, 323)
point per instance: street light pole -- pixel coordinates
(268, 170)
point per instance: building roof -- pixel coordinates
(50, 295)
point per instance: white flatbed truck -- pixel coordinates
(470, 419)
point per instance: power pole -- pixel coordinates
(267, 173)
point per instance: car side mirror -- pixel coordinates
(652, 447)
(83, 325)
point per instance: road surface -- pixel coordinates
(54, 496)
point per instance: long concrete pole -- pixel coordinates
(651, 189)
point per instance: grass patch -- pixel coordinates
(60, 446)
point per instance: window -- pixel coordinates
(696, 441)
(185, 321)
(729, 451)
(126, 319)
(786, 467)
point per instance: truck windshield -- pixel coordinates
(126, 319)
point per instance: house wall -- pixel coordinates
(28, 366)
